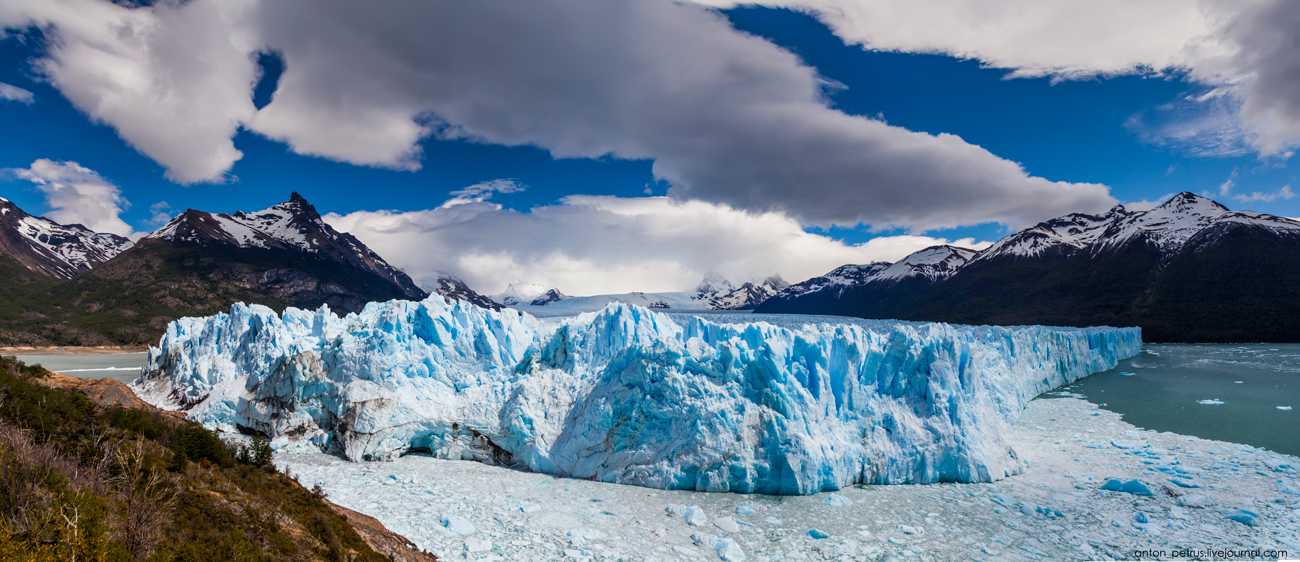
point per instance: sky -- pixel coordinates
(610, 147)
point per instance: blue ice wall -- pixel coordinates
(628, 395)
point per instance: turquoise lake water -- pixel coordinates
(124, 367)
(1229, 392)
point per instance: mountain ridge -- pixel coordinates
(1178, 270)
(54, 249)
(200, 263)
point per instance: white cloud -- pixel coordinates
(727, 117)
(1247, 51)
(484, 191)
(601, 244)
(1060, 38)
(1148, 204)
(1283, 193)
(174, 80)
(10, 92)
(159, 213)
(1225, 188)
(78, 195)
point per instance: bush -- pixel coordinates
(82, 482)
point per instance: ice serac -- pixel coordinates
(626, 394)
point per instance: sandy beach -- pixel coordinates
(71, 350)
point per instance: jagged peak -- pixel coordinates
(714, 282)
(775, 281)
(1187, 201)
(933, 263)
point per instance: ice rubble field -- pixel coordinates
(1206, 495)
(627, 395)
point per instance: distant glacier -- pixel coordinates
(626, 394)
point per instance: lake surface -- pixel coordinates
(1228, 392)
(124, 367)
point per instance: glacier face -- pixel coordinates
(626, 394)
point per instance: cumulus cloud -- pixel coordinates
(1264, 72)
(727, 117)
(160, 213)
(602, 244)
(1247, 51)
(174, 80)
(78, 195)
(1148, 204)
(1031, 37)
(9, 92)
(484, 191)
(1283, 193)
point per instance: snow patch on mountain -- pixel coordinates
(838, 281)
(292, 224)
(56, 249)
(521, 293)
(748, 295)
(934, 263)
(452, 287)
(1169, 227)
(713, 286)
(626, 394)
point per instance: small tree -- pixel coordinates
(261, 451)
(146, 498)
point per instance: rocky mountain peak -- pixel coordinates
(54, 249)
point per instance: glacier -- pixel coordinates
(628, 395)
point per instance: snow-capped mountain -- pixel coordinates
(1167, 228)
(51, 248)
(713, 286)
(1187, 270)
(932, 264)
(293, 227)
(836, 282)
(747, 296)
(201, 262)
(714, 292)
(877, 281)
(522, 293)
(452, 287)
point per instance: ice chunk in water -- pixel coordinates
(694, 516)
(1130, 487)
(816, 534)
(727, 524)
(458, 524)
(1212, 401)
(1195, 500)
(1244, 517)
(837, 500)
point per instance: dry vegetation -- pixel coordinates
(85, 482)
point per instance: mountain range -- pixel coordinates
(714, 292)
(53, 249)
(1189, 270)
(74, 287)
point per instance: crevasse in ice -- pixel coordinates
(628, 395)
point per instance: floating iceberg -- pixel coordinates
(628, 395)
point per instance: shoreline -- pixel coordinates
(72, 350)
(1055, 510)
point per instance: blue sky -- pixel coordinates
(1102, 129)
